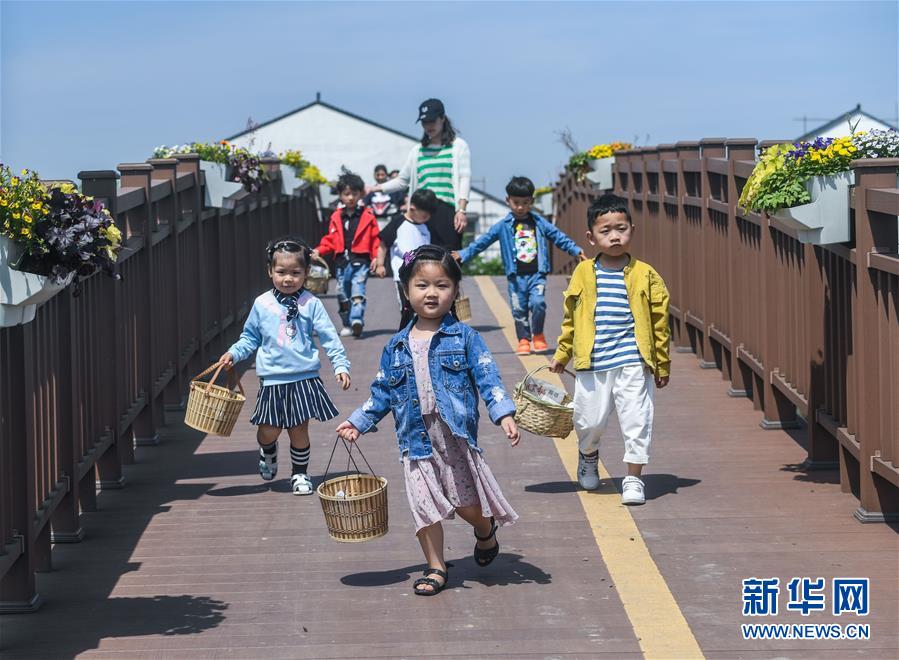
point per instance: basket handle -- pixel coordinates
(532, 372)
(322, 262)
(349, 449)
(217, 368)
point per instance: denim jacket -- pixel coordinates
(461, 366)
(503, 230)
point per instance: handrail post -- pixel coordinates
(740, 375)
(190, 164)
(138, 175)
(681, 337)
(878, 500)
(103, 186)
(709, 148)
(779, 412)
(174, 393)
(18, 592)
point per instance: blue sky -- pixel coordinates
(87, 85)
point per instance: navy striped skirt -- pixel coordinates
(291, 404)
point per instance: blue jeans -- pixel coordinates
(526, 297)
(351, 280)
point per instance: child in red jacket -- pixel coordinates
(353, 238)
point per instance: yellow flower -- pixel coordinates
(28, 219)
(26, 232)
(3, 202)
(16, 216)
(14, 181)
(36, 206)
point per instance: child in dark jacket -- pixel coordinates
(353, 238)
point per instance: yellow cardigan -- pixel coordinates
(648, 300)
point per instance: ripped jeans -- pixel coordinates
(351, 279)
(527, 301)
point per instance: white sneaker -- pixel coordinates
(345, 332)
(301, 484)
(632, 491)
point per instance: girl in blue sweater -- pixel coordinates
(279, 329)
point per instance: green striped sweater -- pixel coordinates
(435, 172)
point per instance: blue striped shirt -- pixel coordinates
(615, 344)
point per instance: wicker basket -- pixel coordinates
(463, 307)
(355, 505)
(211, 408)
(319, 285)
(539, 416)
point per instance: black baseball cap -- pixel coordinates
(430, 110)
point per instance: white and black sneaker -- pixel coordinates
(632, 490)
(588, 471)
(301, 484)
(345, 332)
(357, 328)
(268, 464)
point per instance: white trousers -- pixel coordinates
(631, 389)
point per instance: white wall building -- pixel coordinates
(861, 120)
(329, 138)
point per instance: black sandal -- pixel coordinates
(436, 587)
(485, 557)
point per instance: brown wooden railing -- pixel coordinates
(809, 333)
(89, 378)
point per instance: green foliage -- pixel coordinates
(579, 164)
(782, 190)
(483, 266)
(779, 178)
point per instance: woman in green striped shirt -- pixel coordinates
(441, 163)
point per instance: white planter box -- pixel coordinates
(21, 292)
(601, 176)
(291, 184)
(325, 195)
(218, 188)
(289, 181)
(545, 203)
(825, 219)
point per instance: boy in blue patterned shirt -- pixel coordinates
(524, 248)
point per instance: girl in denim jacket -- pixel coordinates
(430, 375)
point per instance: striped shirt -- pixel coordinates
(435, 172)
(615, 344)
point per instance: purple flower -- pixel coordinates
(408, 257)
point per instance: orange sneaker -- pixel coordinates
(524, 347)
(540, 343)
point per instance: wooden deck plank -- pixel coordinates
(196, 532)
(198, 558)
(728, 500)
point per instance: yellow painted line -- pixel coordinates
(660, 626)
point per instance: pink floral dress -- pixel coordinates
(454, 475)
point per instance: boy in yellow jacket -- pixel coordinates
(616, 328)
